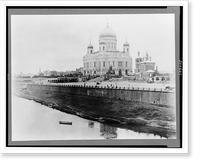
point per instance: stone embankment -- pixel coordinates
(143, 95)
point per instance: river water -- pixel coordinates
(33, 121)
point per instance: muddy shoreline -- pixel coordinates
(141, 118)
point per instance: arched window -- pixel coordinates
(90, 51)
(127, 49)
(103, 48)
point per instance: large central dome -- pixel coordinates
(107, 32)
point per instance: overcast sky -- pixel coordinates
(60, 42)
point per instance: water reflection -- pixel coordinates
(42, 123)
(108, 132)
(149, 131)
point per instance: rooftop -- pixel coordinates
(147, 62)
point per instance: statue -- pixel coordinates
(110, 71)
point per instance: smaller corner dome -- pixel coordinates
(126, 43)
(90, 46)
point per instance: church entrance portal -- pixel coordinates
(126, 72)
(120, 72)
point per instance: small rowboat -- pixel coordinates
(65, 122)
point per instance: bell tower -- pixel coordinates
(90, 48)
(126, 47)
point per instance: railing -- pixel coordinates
(110, 87)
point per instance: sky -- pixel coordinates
(59, 42)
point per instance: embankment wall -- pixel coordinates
(154, 96)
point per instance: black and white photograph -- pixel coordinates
(90, 77)
(94, 76)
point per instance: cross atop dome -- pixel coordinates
(126, 43)
(138, 53)
(146, 52)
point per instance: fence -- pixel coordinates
(146, 95)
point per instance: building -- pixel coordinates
(53, 73)
(144, 67)
(39, 72)
(61, 73)
(46, 73)
(98, 63)
(80, 70)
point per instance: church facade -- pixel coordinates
(99, 62)
(144, 67)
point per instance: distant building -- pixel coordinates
(41, 75)
(46, 73)
(39, 72)
(80, 70)
(60, 73)
(67, 72)
(144, 67)
(164, 76)
(53, 73)
(98, 63)
(22, 75)
(72, 72)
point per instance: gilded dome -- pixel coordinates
(107, 32)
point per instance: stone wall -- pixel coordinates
(153, 96)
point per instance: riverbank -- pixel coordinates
(105, 109)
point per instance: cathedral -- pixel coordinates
(99, 62)
(144, 67)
